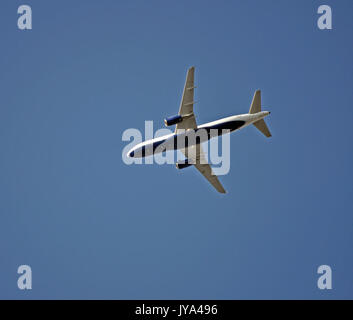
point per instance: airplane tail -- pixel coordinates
(261, 125)
(255, 108)
(256, 102)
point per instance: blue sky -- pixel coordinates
(92, 227)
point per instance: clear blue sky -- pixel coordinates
(92, 227)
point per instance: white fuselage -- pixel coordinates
(205, 131)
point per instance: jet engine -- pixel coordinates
(173, 120)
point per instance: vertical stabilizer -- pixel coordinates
(256, 102)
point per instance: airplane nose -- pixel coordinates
(131, 154)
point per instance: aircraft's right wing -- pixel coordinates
(187, 103)
(197, 156)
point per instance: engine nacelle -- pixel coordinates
(183, 165)
(173, 120)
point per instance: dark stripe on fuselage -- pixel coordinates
(172, 143)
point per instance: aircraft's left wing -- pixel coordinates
(197, 156)
(187, 103)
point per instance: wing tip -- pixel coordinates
(223, 191)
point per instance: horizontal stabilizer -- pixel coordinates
(261, 125)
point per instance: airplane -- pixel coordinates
(185, 122)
